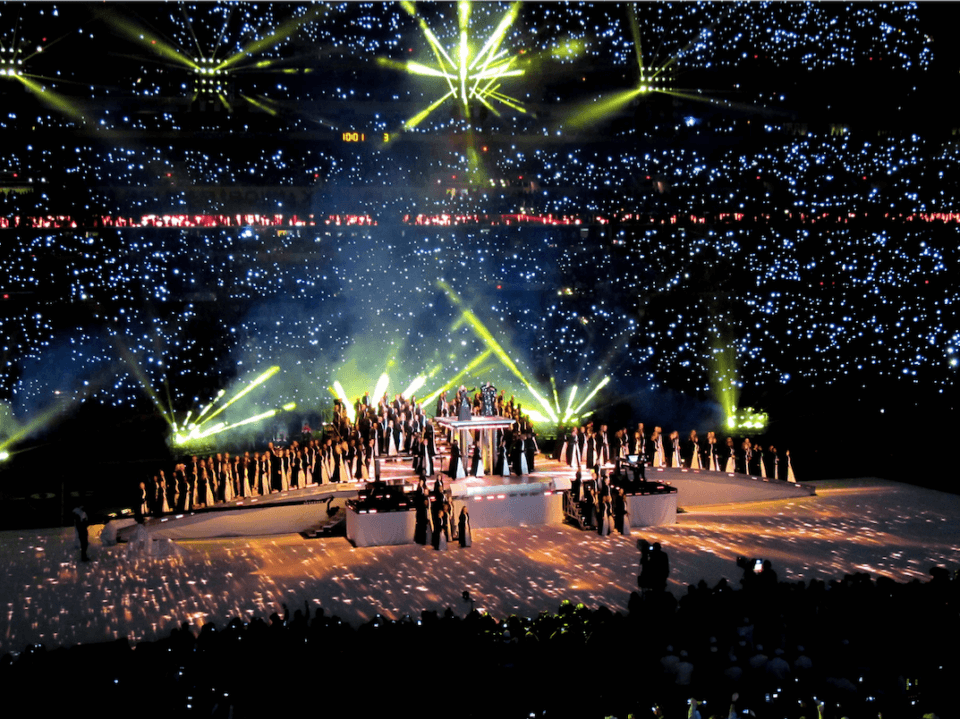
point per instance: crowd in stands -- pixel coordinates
(858, 647)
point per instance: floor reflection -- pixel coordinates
(879, 527)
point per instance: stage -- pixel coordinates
(491, 500)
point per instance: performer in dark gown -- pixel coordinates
(476, 461)
(531, 449)
(464, 413)
(571, 450)
(457, 469)
(441, 530)
(502, 464)
(423, 515)
(464, 527)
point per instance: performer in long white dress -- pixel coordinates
(731, 454)
(570, 453)
(208, 491)
(391, 440)
(790, 475)
(694, 450)
(162, 495)
(659, 457)
(456, 458)
(713, 461)
(675, 442)
(285, 471)
(245, 478)
(226, 478)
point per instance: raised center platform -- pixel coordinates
(485, 427)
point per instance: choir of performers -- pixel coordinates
(584, 448)
(348, 451)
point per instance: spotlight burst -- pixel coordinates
(469, 75)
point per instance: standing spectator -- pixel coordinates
(81, 524)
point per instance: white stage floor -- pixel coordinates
(867, 525)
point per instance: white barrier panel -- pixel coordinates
(652, 510)
(513, 510)
(377, 529)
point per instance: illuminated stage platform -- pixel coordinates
(491, 500)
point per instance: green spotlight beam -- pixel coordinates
(41, 420)
(635, 32)
(186, 19)
(223, 32)
(134, 368)
(50, 44)
(381, 387)
(723, 103)
(260, 104)
(47, 416)
(491, 47)
(422, 115)
(603, 383)
(508, 101)
(461, 69)
(251, 420)
(417, 383)
(567, 411)
(591, 113)
(456, 378)
(487, 337)
(556, 394)
(284, 31)
(210, 404)
(145, 37)
(344, 399)
(52, 99)
(463, 11)
(246, 390)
